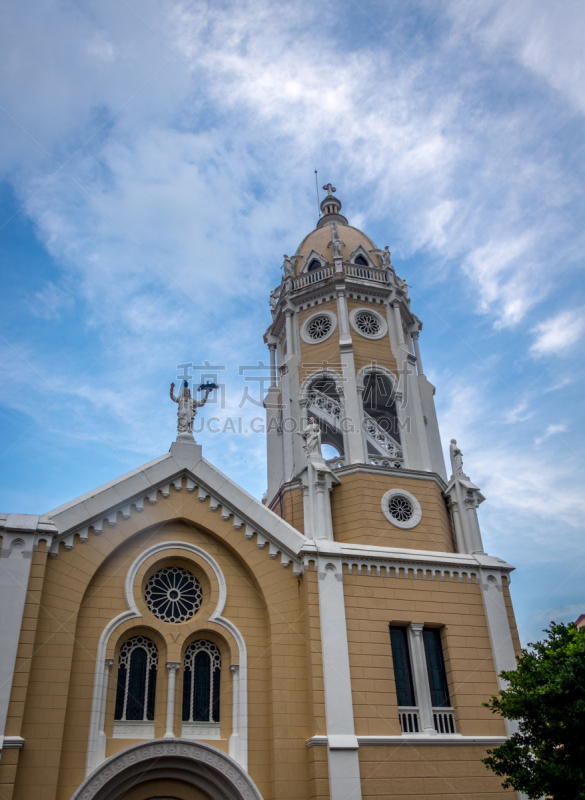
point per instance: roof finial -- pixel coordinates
(331, 208)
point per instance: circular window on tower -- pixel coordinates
(368, 323)
(173, 594)
(318, 327)
(401, 508)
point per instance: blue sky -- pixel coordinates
(158, 158)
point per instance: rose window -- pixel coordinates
(400, 508)
(173, 594)
(319, 327)
(367, 323)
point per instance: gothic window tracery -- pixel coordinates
(136, 688)
(173, 594)
(201, 681)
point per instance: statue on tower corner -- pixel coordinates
(188, 408)
(312, 437)
(336, 242)
(456, 460)
(289, 266)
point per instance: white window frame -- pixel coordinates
(416, 509)
(383, 324)
(321, 313)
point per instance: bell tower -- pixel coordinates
(344, 346)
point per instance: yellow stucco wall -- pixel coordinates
(83, 591)
(356, 508)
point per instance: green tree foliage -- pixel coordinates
(546, 694)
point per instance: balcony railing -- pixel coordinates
(366, 273)
(351, 270)
(380, 461)
(409, 719)
(313, 277)
(443, 719)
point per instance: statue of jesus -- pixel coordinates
(187, 408)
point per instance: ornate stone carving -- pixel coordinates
(312, 437)
(456, 459)
(336, 242)
(231, 781)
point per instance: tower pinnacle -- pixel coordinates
(331, 208)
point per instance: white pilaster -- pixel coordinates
(272, 349)
(101, 743)
(234, 743)
(15, 562)
(433, 436)
(173, 667)
(492, 592)
(420, 678)
(317, 481)
(342, 751)
(464, 498)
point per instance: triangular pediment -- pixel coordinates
(361, 251)
(313, 256)
(182, 469)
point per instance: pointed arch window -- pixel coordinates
(361, 261)
(314, 265)
(201, 683)
(136, 688)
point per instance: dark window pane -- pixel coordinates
(436, 667)
(136, 684)
(402, 670)
(187, 695)
(215, 710)
(314, 265)
(201, 688)
(120, 693)
(361, 261)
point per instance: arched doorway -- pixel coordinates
(189, 770)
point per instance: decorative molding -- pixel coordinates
(196, 763)
(313, 256)
(11, 743)
(97, 738)
(416, 509)
(136, 506)
(133, 729)
(439, 740)
(321, 313)
(380, 319)
(393, 562)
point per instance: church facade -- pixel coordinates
(169, 636)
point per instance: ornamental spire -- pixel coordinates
(331, 208)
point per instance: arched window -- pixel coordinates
(361, 261)
(136, 681)
(201, 683)
(315, 264)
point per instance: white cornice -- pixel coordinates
(401, 562)
(417, 739)
(128, 495)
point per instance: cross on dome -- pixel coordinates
(330, 208)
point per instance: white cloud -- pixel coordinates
(556, 335)
(551, 430)
(51, 301)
